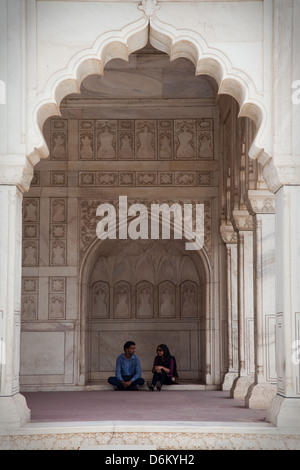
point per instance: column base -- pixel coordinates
(13, 411)
(240, 387)
(260, 396)
(229, 378)
(284, 412)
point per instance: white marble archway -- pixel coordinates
(176, 43)
(38, 100)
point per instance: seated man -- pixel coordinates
(128, 370)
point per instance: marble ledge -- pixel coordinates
(163, 193)
(93, 107)
(128, 165)
(140, 426)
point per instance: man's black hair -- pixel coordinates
(128, 344)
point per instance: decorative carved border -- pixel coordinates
(164, 440)
(146, 178)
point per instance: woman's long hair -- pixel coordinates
(167, 356)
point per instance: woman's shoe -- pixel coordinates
(150, 386)
(158, 386)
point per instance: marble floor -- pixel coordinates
(108, 405)
(108, 420)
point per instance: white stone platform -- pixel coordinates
(186, 419)
(163, 435)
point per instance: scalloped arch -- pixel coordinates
(176, 43)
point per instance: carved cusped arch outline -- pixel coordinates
(164, 37)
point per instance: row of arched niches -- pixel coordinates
(157, 280)
(144, 300)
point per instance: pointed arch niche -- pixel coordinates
(150, 292)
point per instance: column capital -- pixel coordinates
(260, 202)
(228, 233)
(282, 170)
(242, 220)
(16, 169)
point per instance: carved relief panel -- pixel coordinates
(166, 300)
(189, 300)
(138, 139)
(59, 139)
(31, 216)
(58, 229)
(57, 298)
(205, 143)
(185, 139)
(106, 140)
(130, 302)
(144, 299)
(126, 140)
(153, 280)
(122, 300)
(100, 300)
(29, 298)
(165, 140)
(146, 140)
(86, 140)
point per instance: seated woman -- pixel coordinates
(164, 368)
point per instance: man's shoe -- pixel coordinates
(150, 386)
(136, 388)
(158, 386)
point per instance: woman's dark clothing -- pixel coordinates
(163, 377)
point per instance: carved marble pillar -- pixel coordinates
(285, 408)
(262, 205)
(13, 408)
(229, 237)
(244, 225)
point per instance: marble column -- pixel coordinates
(229, 237)
(282, 172)
(244, 225)
(15, 175)
(285, 407)
(261, 392)
(13, 408)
